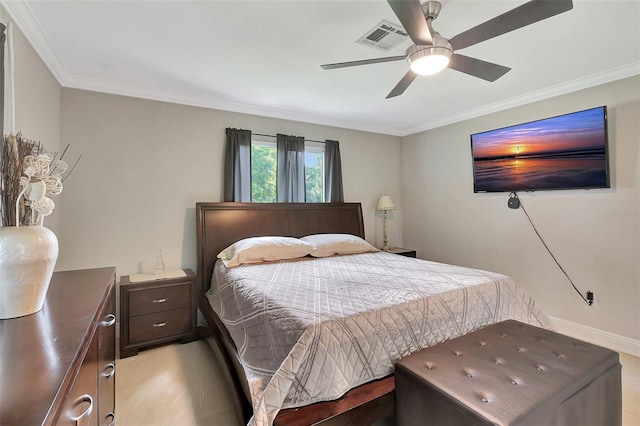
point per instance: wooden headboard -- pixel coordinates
(221, 224)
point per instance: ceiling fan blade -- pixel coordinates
(521, 16)
(402, 85)
(363, 62)
(411, 16)
(485, 70)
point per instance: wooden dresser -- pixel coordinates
(57, 366)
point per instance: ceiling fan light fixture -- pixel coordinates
(430, 64)
(429, 60)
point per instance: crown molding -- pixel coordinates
(97, 85)
(23, 17)
(538, 95)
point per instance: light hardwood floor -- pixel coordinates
(180, 385)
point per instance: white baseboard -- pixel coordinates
(597, 337)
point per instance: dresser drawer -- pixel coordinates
(151, 300)
(81, 406)
(145, 328)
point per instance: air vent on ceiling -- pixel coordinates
(384, 36)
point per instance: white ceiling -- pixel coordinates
(263, 57)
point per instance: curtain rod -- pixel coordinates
(272, 136)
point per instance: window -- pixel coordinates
(314, 172)
(264, 171)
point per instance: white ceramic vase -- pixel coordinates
(28, 255)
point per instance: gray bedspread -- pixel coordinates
(309, 330)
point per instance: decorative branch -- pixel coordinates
(29, 178)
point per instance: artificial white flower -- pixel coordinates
(54, 185)
(43, 206)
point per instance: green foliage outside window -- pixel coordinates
(263, 173)
(314, 178)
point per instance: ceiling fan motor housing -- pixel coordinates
(431, 9)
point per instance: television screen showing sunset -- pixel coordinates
(563, 152)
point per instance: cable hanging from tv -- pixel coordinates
(514, 196)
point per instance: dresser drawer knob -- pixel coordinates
(109, 371)
(86, 413)
(159, 324)
(159, 300)
(108, 321)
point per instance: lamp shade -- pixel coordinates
(385, 203)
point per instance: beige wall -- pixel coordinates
(37, 101)
(594, 234)
(145, 164)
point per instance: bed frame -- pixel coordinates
(221, 224)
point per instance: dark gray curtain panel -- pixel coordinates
(332, 173)
(237, 165)
(291, 188)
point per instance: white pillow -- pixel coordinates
(330, 244)
(264, 249)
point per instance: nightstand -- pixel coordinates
(402, 251)
(156, 311)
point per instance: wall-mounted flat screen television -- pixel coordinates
(564, 152)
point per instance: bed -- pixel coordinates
(292, 376)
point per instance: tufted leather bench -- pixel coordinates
(510, 373)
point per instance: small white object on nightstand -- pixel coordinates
(173, 273)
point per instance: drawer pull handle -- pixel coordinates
(159, 324)
(108, 321)
(86, 413)
(111, 371)
(111, 418)
(159, 300)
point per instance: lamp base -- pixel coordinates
(385, 247)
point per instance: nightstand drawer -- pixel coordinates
(145, 328)
(148, 301)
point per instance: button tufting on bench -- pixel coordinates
(496, 359)
(516, 380)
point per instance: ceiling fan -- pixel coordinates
(431, 52)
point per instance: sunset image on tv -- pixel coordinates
(563, 152)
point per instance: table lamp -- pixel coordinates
(385, 203)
